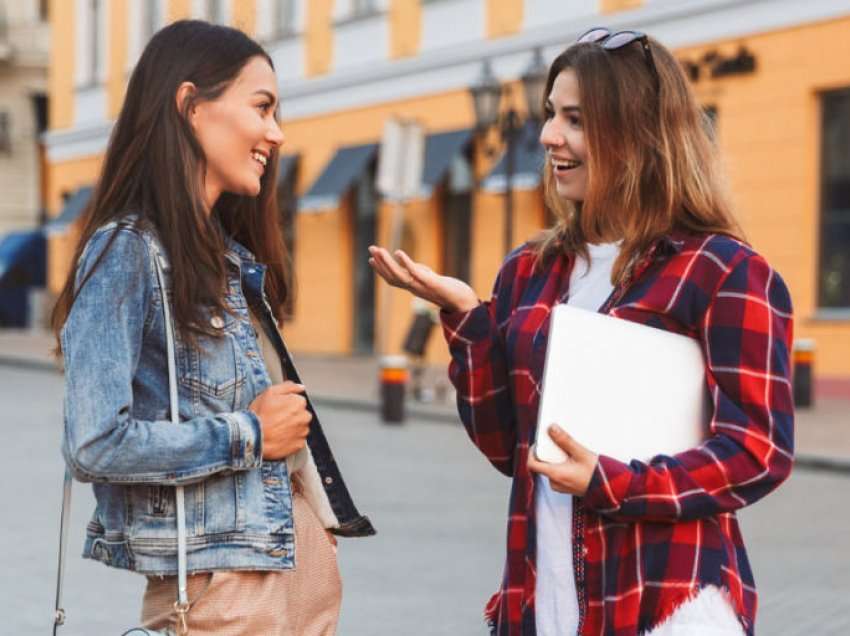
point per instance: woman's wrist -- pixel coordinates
(462, 307)
(457, 310)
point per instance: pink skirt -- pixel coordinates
(300, 602)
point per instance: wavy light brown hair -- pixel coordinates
(652, 166)
(154, 167)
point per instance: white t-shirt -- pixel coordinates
(556, 598)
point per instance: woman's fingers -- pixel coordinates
(381, 269)
(567, 444)
(402, 271)
(406, 274)
(391, 271)
(417, 271)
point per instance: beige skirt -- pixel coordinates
(300, 602)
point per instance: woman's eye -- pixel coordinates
(548, 113)
(574, 121)
(265, 107)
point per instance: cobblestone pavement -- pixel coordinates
(440, 513)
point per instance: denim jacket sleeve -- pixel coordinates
(102, 342)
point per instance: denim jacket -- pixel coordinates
(118, 434)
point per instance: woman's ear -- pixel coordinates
(185, 93)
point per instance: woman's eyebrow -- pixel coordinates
(568, 109)
(268, 94)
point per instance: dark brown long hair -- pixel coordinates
(652, 166)
(154, 167)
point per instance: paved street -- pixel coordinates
(439, 510)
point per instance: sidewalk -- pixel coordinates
(822, 432)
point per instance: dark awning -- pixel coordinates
(22, 259)
(347, 165)
(528, 163)
(74, 206)
(440, 151)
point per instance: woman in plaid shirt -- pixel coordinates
(644, 233)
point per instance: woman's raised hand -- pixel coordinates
(420, 280)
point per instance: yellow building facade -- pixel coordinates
(770, 72)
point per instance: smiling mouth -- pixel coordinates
(260, 158)
(563, 165)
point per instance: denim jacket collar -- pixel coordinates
(236, 253)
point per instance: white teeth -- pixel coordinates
(260, 157)
(566, 165)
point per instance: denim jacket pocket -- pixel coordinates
(211, 368)
(214, 506)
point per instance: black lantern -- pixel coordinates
(486, 95)
(533, 84)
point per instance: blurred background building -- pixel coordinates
(24, 46)
(773, 75)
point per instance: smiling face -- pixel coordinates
(563, 137)
(238, 132)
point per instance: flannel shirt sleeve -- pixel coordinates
(746, 338)
(479, 372)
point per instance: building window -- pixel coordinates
(151, 19)
(457, 226)
(144, 19)
(95, 13)
(283, 17)
(91, 35)
(834, 274)
(457, 218)
(215, 11)
(353, 9)
(362, 7)
(364, 217)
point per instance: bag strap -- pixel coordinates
(59, 613)
(181, 606)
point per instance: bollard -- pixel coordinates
(415, 343)
(393, 388)
(804, 356)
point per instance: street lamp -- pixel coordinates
(486, 95)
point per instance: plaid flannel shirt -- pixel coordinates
(647, 536)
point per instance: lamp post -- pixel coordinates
(487, 94)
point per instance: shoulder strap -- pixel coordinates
(182, 604)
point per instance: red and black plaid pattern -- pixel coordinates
(647, 536)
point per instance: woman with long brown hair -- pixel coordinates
(184, 223)
(644, 233)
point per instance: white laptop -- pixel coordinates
(620, 388)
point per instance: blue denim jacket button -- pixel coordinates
(217, 322)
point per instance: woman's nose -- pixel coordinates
(549, 136)
(275, 134)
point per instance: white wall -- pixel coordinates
(447, 23)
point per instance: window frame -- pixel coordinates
(825, 309)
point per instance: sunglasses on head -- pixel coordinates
(613, 41)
